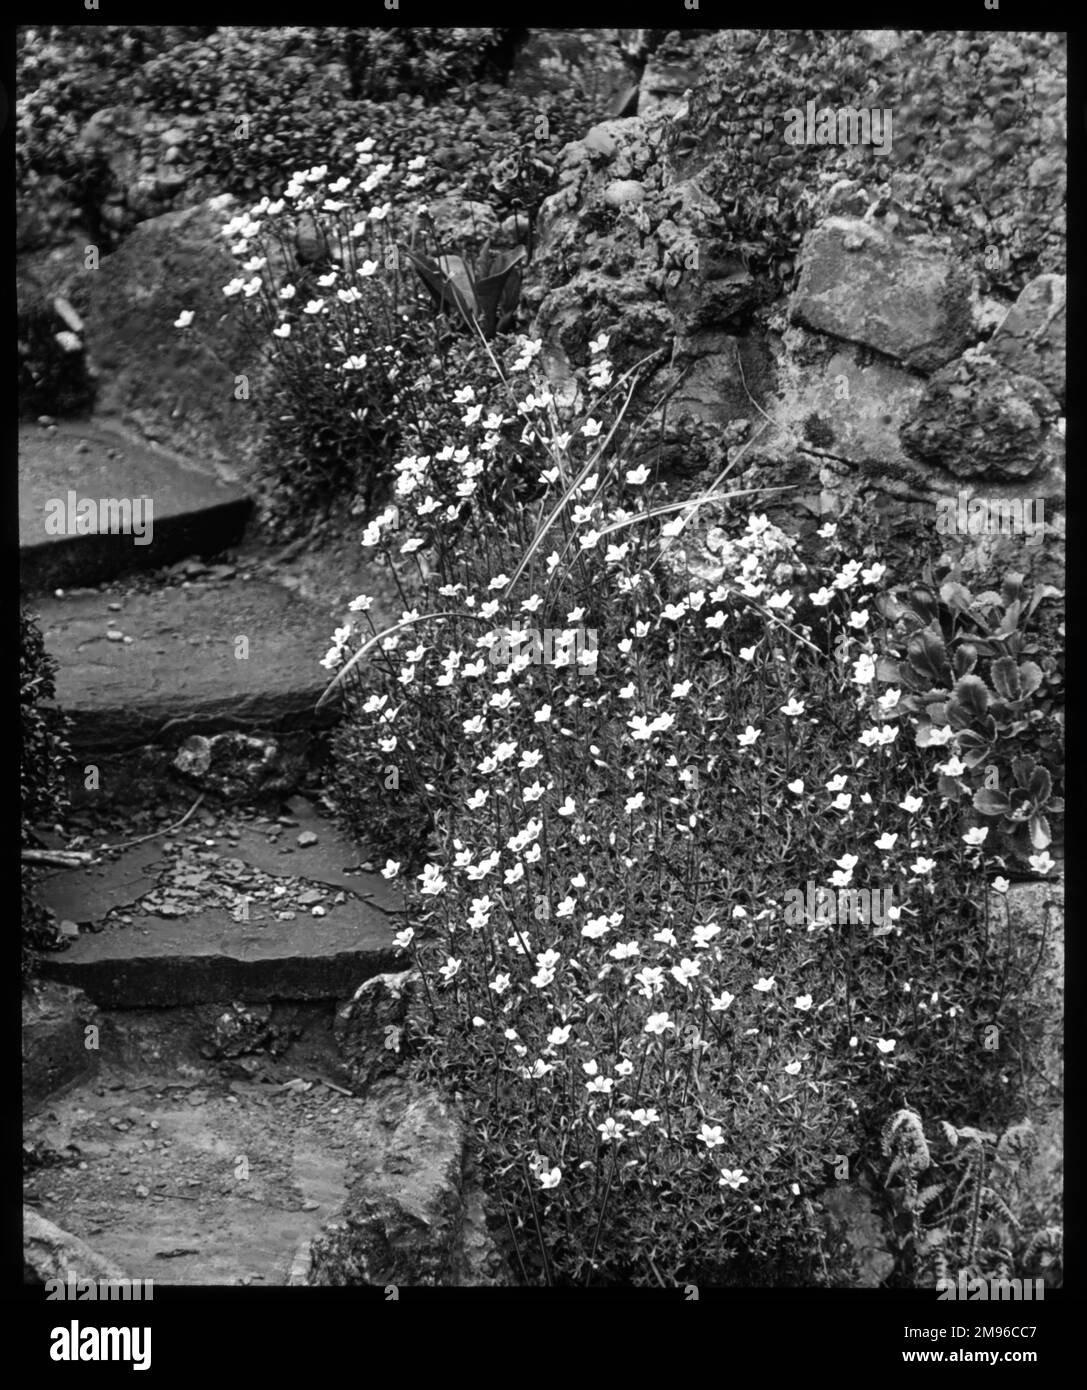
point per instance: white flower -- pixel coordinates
(921, 865)
(449, 969)
(184, 318)
(764, 984)
(1042, 863)
(910, 804)
(748, 737)
(803, 1002)
(792, 1068)
(637, 476)
(658, 1023)
(711, 1136)
(558, 1036)
(885, 1044)
(431, 880)
(794, 708)
(796, 787)
(391, 869)
(886, 841)
(864, 670)
(720, 1002)
(685, 972)
(732, 1177)
(591, 428)
(283, 331)
(977, 836)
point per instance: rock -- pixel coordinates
(600, 142)
(1031, 340)
(374, 1029)
(856, 1237)
(620, 192)
(411, 1216)
(237, 766)
(54, 1040)
(907, 297)
(834, 399)
(238, 1030)
(50, 1253)
(153, 375)
(976, 418)
(307, 837)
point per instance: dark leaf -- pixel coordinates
(991, 802)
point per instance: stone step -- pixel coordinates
(208, 956)
(97, 461)
(247, 909)
(199, 658)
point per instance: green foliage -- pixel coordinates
(992, 692)
(45, 751)
(261, 101)
(346, 328)
(661, 1052)
(957, 1203)
(969, 135)
(53, 377)
(44, 756)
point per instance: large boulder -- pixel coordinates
(978, 419)
(50, 1253)
(413, 1214)
(173, 384)
(907, 297)
(1031, 339)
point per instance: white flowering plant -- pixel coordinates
(327, 281)
(666, 1048)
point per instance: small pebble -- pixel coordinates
(112, 635)
(114, 607)
(307, 837)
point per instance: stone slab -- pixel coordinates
(180, 673)
(85, 896)
(193, 512)
(208, 956)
